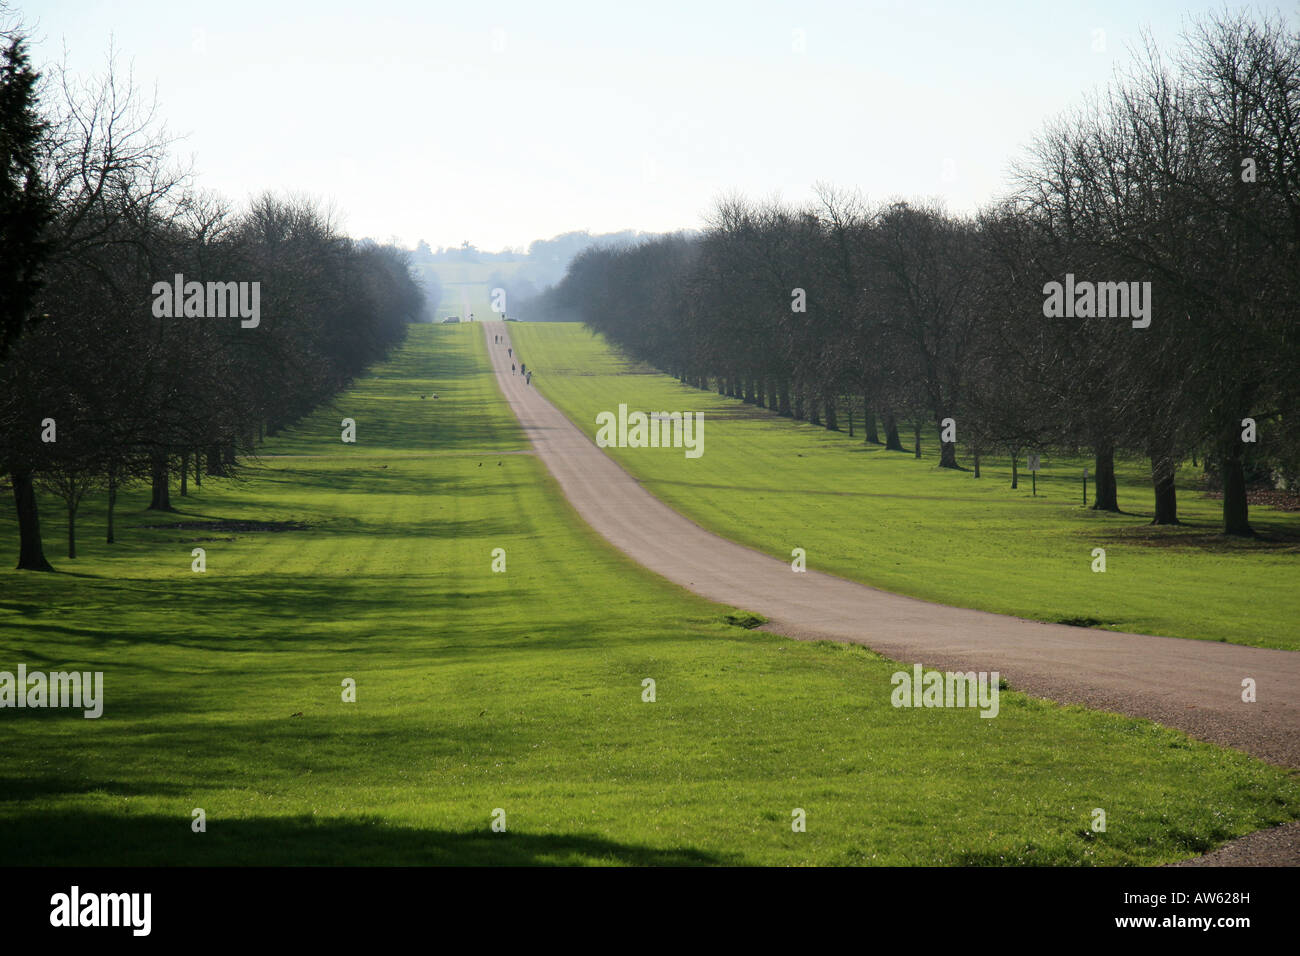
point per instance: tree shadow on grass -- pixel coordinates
(20, 789)
(1271, 535)
(70, 838)
(295, 615)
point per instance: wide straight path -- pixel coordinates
(1195, 686)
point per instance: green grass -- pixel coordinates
(908, 526)
(519, 691)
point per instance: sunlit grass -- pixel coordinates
(520, 691)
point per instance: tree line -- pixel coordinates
(106, 379)
(1135, 293)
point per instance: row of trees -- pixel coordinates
(99, 386)
(1176, 195)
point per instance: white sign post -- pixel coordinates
(1034, 464)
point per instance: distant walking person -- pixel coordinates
(510, 352)
(512, 368)
(528, 379)
(523, 369)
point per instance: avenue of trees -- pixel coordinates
(897, 316)
(96, 389)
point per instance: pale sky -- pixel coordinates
(503, 122)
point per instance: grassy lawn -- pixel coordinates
(908, 526)
(523, 690)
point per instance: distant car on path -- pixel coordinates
(451, 320)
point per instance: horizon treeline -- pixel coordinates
(102, 381)
(1136, 294)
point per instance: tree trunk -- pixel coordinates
(1015, 471)
(785, 400)
(161, 499)
(947, 449)
(798, 404)
(112, 503)
(185, 472)
(916, 434)
(1107, 490)
(892, 441)
(72, 532)
(832, 422)
(215, 468)
(850, 414)
(1236, 509)
(722, 385)
(869, 423)
(762, 393)
(228, 451)
(31, 556)
(1162, 478)
(749, 391)
(975, 452)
